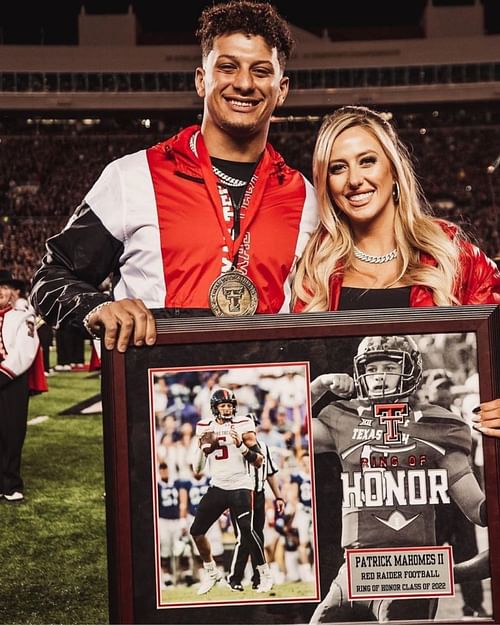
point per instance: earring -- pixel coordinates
(396, 192)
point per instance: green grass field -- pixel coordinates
(221, 592)
(53, 546)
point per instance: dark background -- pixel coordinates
(174, 21)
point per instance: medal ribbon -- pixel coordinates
(238, 214)
(247, 207)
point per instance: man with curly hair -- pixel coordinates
(189, 225)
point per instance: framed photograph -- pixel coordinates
(377, 500)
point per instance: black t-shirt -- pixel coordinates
(234, 175)
(352, 298)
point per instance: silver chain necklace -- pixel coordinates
(376, 260)
(227, 179)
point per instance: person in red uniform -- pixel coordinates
(189, 224)
(386, 463)
(19, 346)
(378, 245)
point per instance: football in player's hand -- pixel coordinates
(208, 442)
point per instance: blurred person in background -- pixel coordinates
(172, 521)
(183, 450)
(40, 366)
(285, 428)
(46, 336)
(302, 514)
(19, 295)
(268, 434)
(377, 245)
(19, 346)
(452, 526)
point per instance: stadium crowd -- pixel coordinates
(46, 169)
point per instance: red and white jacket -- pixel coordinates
(18, 343)
(155, 218)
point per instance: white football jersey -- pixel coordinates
(226, 465)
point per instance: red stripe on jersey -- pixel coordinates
(204, 423)
(10, 374)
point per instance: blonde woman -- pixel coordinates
(378, 245)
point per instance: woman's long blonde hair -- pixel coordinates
(330, 249)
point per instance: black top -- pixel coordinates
(242, 172)
(352, 298)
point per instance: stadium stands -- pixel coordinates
(47, 165)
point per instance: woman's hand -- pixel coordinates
(487, 418)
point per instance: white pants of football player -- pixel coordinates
(303, 523)
(170, 531)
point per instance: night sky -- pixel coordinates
(173, 21)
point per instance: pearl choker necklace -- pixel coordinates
(377, 260)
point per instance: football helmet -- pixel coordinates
(400, 349)
(223, 396)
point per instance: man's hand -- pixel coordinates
(237, 439)
(487, 418)
(280, 505)
(251, 449)
(122, 320)
(340, 384)
(208, 442)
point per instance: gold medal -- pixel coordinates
(232, 294)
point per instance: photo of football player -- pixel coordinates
(249, 465)
(389, 447)
(227, 445)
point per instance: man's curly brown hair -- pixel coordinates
(250, 18)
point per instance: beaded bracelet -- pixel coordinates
(89, 314)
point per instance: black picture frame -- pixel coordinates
(273, 339)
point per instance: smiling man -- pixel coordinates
(208, 222)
